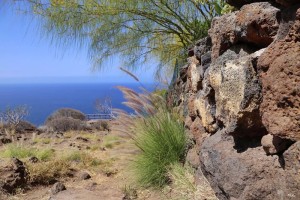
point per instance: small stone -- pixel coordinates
(84, 176)
(57, 187)
(91, 186)
(5, 140)
(33, 159)
(82, 139)
(274, 145)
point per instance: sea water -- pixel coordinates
(43, 99)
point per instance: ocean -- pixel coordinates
(43, 99)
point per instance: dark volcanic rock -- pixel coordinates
(57, 187)
(202, 46)
(4, 140)
(33, 159)
(287, 2)
(258, 23)
(84, 176)
(231, 94)
(255, 24)
(249, 174)
(13, 177)
(280, 75)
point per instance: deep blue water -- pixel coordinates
(43, 99)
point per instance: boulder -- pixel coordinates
(274, 145)
(248, 173)
(255, 24)
(280, 75)
(222, 33)
(201, 47)
(13, 176)
(237, 92)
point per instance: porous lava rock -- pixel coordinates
(256, 24)
(245, 172)
(280, 76)
(201, 47)
(241, 102)
(237, 92)
(13, 176)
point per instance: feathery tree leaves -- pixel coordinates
(133, 29)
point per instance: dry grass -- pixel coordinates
(184, 187)
(110, 141)
(47, 172)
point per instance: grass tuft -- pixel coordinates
(47, 172)
(162, 142)
(82, 158)
(109, 141)
(157, 132)
(19, 151)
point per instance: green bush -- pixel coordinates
(162, 142)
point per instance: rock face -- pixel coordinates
(240, 96)
(250, 174)
(256, 24)
(13, 177)
(280, 75)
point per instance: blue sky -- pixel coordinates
(26, 57)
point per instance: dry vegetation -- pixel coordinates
(107, 156)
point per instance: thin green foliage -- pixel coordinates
(134, 29)
(162, 142)
(157, 133)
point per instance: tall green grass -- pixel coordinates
(162, 142)
(157, 132)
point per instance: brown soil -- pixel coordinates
(108, 181)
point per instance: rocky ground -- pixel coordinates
(107, 178)
(93, 165)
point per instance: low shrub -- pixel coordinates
(100, 125)
(67, 112)
(65, 124)
(24, 126)
(66, 119)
